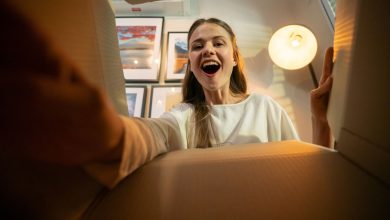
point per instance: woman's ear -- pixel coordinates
(189, 67)
(235, 58)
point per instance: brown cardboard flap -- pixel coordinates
(280, 180)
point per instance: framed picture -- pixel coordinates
(330, 10)
(136, 96)
(177, 55)
(163, 98)
(140, 46)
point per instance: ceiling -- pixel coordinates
(154, 8)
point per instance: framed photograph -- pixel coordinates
(136, 96)
(140, 46)
(177, 55)
(330, 10)
(163, 98)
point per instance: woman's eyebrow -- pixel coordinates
(217, 37)
(199, 40)
(203, 40)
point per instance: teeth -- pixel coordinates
(209, 63)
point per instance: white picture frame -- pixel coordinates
(163, 98)
(329, 8)
(139, 41)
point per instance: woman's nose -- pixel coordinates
(208, 50)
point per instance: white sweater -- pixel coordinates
(256, 119)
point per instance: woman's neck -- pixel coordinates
(220, 97)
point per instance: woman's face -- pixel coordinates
(211, 56)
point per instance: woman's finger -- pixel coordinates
(323, 88)
(327, 66)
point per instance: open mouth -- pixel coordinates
(210, 67)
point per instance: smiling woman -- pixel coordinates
(212, 61)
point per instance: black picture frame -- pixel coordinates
(136, 99)
(177, 56)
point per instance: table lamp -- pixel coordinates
(293, 47)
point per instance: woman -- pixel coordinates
(216, 87)
(73, 115)
(216, 110)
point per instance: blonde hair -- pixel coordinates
(193, 91)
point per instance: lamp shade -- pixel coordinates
(292, 47)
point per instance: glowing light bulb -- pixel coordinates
(296, 40)
(292, 47)
(135, 61)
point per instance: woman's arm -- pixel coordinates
(319, 103)
(49, 111)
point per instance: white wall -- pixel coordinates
(254, 22)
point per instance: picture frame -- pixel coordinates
(177, 55)
(163, 98)
(136, 99)
(330, 9)
(139, 41)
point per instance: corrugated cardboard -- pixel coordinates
(280, 180)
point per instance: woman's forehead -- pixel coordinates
(208, 31)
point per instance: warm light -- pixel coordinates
(296, 40)
(135, 61)
(292, 47)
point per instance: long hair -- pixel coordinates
(193, 91)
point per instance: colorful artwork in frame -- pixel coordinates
(177, 55)
(163, 98)
(136, 96)
(140, 47)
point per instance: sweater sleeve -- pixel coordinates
(283, 127)
(143, 140)
(288, 131)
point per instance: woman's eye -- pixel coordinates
(196, 47)
(218, 44)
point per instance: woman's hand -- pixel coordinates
(50, 112)
(319, 103)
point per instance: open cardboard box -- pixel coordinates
(279, 180)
